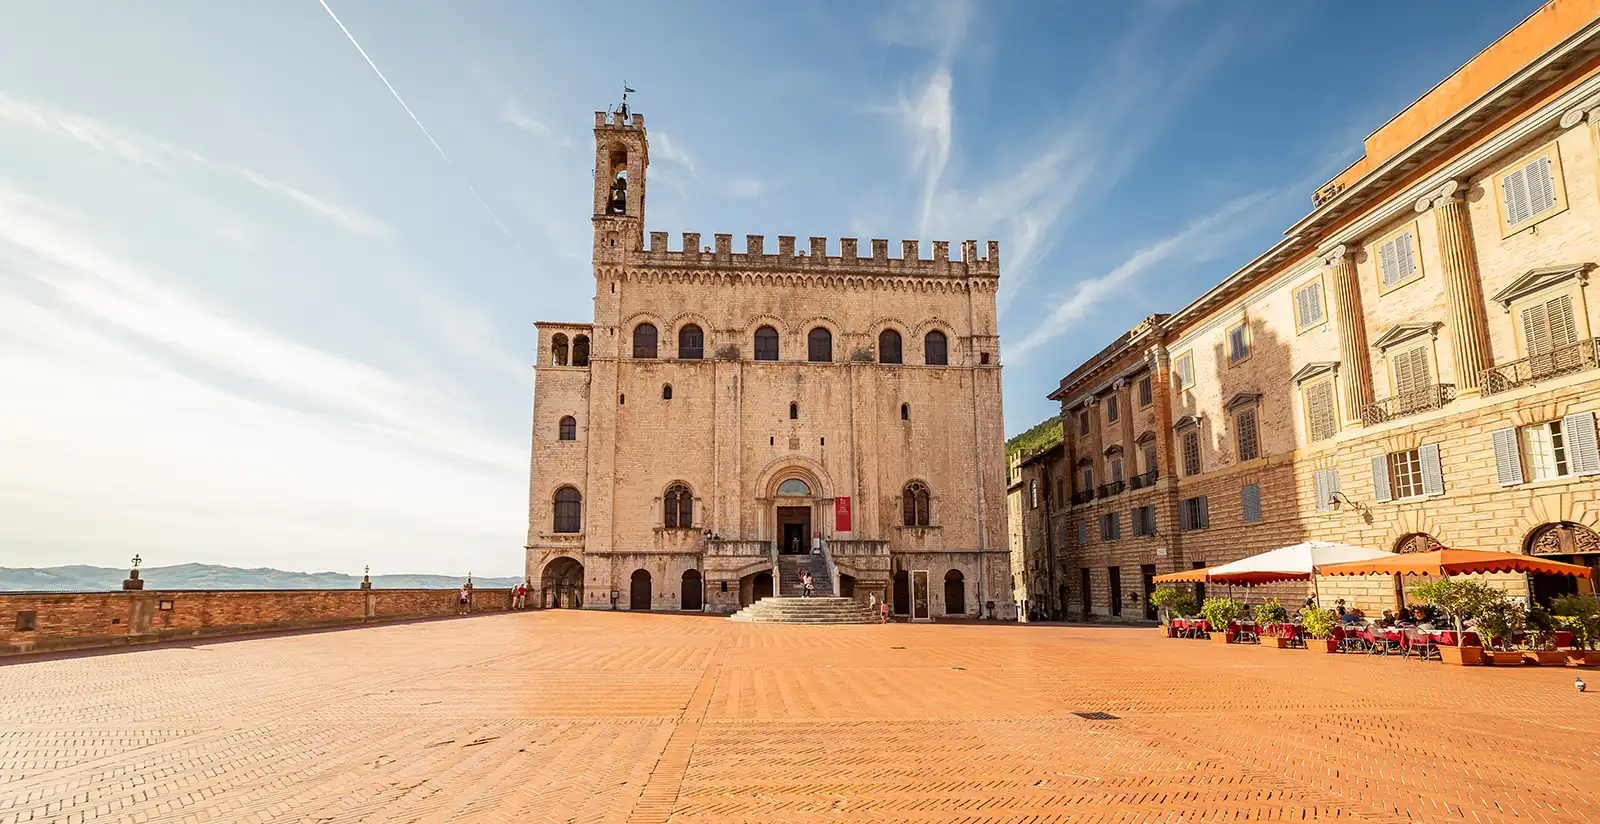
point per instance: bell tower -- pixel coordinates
(621, 155)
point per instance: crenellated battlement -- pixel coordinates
(620, 119)
(910, 263)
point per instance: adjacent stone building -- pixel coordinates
(1415, 364)
(724, 408)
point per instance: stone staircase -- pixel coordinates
(789, 569)
(815, 610)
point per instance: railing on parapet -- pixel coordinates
(1408, 403)
(1559, 362)
(818, 260)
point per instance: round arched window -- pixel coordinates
(795, 488)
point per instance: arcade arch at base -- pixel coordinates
(561, 585)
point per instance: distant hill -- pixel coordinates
(1043, 435)
(211, 576)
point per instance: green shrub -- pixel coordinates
(1460, 598)
(1319, 623)
(1220, 612)
(1579, 615)
(1271, 612)
(1175, 601)
(1541, 628)
(1499, 621)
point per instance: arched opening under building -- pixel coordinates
(902, 593)
(639, 590)
(847, 586)
(692, 597)
(1570, 543)
(955, 593)
(561, 585)
(754, 587)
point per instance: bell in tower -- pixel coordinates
(618, 202)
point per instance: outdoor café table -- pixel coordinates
(1447, 637)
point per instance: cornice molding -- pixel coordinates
(1534, 280)
(1402, 332)
(1312, 370)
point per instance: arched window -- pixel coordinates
(678, 507)
(794, 487)
(794, 411)
(819, 346)
(905, 411)
(766, 343)
(691, 342)
(580, 350)
(889, 346)
(569, 510)
(935, 349)
(558, 350)
(568, 429)
(915, 502)
(666, 391)
(644, 341)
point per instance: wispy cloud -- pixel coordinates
(927, 114)
(144, 151)
(1197, 241)
(514, 114)
(745, 187)
(671, 152)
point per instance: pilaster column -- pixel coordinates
(1356, 385)
(1469, 325)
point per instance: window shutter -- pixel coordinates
(1319, 482)
(1250, 502)
(1536, 329)
(1389, 262)
(1380, 478)
(1313, 295)
(1405, 258)
(1514, 187)
(1541, 186)
(1558, 314)
(1583, 454)
(1083, 533)
(1507, 459)
(1183, 515)
(1432, 472)
(1205, 513)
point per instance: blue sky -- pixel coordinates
(250, 313)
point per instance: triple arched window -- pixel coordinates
(678, 507)
(915, 502)
(644, 340)
(568, 510)
(889, 346)
(691, 342)
(935, 349)
(568, 430)
(766, 343)
(819, 345)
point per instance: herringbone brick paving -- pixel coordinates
(585, 717)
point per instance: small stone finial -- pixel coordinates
(137, 561)
(133, 581)
(366, 577)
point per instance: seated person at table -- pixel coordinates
(1354, 616)
(1338, 607)
(1388, 619)
(1420, 616)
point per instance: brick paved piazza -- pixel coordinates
(567, 716)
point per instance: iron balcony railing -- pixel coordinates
(1113, 488)
(1082, 496)
(1142, 481)
(1408, 403)
(1566, 360)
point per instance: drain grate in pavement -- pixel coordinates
(1096, 716)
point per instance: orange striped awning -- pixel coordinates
(1444, 562)
(1188, 576)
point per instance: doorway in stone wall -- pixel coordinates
(794, 530)
(639, 592)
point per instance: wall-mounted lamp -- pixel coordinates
(1338, 501)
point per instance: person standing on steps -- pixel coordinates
(805, 585)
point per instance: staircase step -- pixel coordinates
(815, 610)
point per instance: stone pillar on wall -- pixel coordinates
(1356, 381)
(1469, 325)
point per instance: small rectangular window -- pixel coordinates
(1544, 449)
(1245, 435)
(1250, 503)
(1116, 469)
(1193, 514)
(1397, 259)
(1239, 343)
(1083, 532)
(1411, 370)
(27, 620)
(1083, 422)
(1183, 370)
(1308, 311)
(1111, 409)
(1405, 474)
(1146, 392)
(1191, 452)
(1321, 421)
(1529, 191)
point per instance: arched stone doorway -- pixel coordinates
(955, 593)
(639, 590)
(561, 585)
(691, 598)
(761, 586)
(1570, 543)
(902, 593)
(1414, 542)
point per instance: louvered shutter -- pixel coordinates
(1541, 186)
(1558, 314)
(1432, 472)
(1314, 301)
(1583, 453)
(1319, 411)
(1389, 262)
(1205, 513)
(1536, 329)
(1319, 482)
(1507, 458)
(1083, 533)
(1380, 479)
(1404, 257)
(1250, 502)
(1514, 187)
(1183, 515)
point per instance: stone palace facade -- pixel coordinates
(726, 408)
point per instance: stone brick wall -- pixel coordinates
(82, 620)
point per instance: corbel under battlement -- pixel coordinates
(720, 255)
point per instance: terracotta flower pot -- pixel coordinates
(1542, 657)
(1222, 637)
(1461, 656)
(1503, 658)
(1282, 643)
(1582, 658)
(1169, 631)
(1326, 644)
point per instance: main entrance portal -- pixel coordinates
(794, 529)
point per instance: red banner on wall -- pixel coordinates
(841, 514)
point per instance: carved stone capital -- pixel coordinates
(1342, 252)
(1588, 110)
(1451, 190)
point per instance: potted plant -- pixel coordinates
(1220, 613)
(1541, 647)
(1320, 624)
(1273, 620)
(1461, 600)
(1172, 601)
(1580, 615)
(1497, 624)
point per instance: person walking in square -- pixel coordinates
(466, 598)
(519, 596)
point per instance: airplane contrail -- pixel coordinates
(418, 121)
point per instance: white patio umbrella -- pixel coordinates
(1290, 563)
